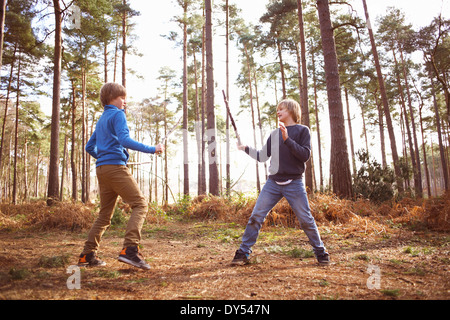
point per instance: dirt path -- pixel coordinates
(191, 261)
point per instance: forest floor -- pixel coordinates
(190, 260)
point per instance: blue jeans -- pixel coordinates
(295, 194)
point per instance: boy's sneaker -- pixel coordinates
(323, 259)
(90, 260)
(132, 256)
(240, 257)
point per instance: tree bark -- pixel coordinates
(124, 46)
(16, 135)
(185, 105)
(211, 126)
(304, 90)
(53, 180)
(339, 162)
(72, 150)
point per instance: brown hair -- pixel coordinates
(293, 107)
(110, 91)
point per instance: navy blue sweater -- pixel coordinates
(111, 138)
(287, 157)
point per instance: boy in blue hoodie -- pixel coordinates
(108, 145)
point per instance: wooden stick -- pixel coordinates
(231, 117)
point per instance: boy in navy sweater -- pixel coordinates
(108, 145)
(289, 148)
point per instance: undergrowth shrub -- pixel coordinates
(36, 214)
(327, 209)
(372, 181)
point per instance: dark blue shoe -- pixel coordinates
(240, 258)
(323, 259)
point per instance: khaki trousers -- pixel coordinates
(114, 181)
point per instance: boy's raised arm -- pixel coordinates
(123, 134)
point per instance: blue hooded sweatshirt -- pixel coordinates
(111, 138)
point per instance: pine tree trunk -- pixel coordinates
(83, 136)
(339, 162)
(304, 91)
(6, 106)
(72, 151)
(384, 99)
(202, 186)
(124, 46)
(439, 131)
(105, 61)
(258, 183)
(280, 57)
(227, 123)
(16, 135)
(316, 111)
(417, 171)
(211, 126)
(53, 179)
(185, 106)
(350, 130)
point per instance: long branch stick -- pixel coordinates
(231, 117)
(171, 130)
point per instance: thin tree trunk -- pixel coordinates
(316, 110)
(25, 170)
(203, 106)
(259, 118)
(381, 126)
(185, 105)
(258, 183)
(105, 61)
(425, 161)
(304, 90)
(6, 106)
(417, 171)
(384, 99)
(53, 181)
(2, 27)
(280, 57)
(408, 128)
(211, 126)
(227, 124)
(72, 150)
(116, 53)
(16, 134)
(166, 169)
(63, 171)
(350, 130)
(83, 135)
(124, 46)
(439, 131)
(198, 130)
(36, 182)
(363, 116)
